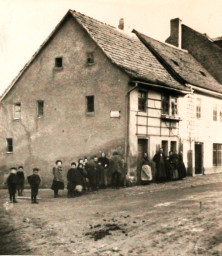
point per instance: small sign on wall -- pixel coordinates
(115, 114)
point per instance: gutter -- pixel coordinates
(206, 92)
(127, 122)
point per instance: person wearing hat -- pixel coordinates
(34, 181)
(12, 184)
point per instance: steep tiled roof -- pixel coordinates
(182, 63)
(127, 52)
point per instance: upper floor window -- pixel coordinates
(215, 112)
(169, 105)
(90, 103)
(142, 101)
(90, 58)
(198, 108)
(58, 62)
(9, 145)
(40, 108)
(17, 110)
(217, 154)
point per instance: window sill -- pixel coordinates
(170, 118)
(9, 152)
(16, 119)
(90, 64)
(90, 113)
(58, 68)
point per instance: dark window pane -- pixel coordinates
(9, 144)
(165, 104)
(142, 101)
(90, 103)
(58, 62)
(40, 107)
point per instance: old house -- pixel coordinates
(76, 95)
(91, 88)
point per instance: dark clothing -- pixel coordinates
(117, 170)
(159, 159)
(75, 177)
(34, 182)
(93, 174)
(12, 185)
(57, 180)
(173, 159)
(104, 171)
(104, 161)
(181, 167)
(21, 181)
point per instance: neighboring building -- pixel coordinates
(71, 99)
(206, 51)
(92, 88)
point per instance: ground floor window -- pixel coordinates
(9, 145)
(217, 154)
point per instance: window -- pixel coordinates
(169, 105)
(90, 58)
(58, 62)
(9, 145)
(142, 101)
(40, 108)
(198, 108)
(90, 103)
(165, 104)
(215, 112)
(17, 110)
(165, 147)
(173, 146)
(217, 154)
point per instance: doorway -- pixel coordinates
(198, 158)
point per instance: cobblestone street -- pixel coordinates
(175, 218)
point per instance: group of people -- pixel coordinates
(167, 167)
(16, 180)
(90, 175)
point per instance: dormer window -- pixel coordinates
(202, 73)
(58, 62)
(90, 58)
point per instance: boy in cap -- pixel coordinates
(12, 184)
(34, 181)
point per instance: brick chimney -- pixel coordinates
(176, 32)
(121, 24)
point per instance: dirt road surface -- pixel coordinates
(176, 218)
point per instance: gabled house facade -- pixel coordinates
(92, 88)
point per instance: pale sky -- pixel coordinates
(25, 24)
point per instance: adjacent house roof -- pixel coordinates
(182, 64)
(128, 53)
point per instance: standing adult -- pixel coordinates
(117, 169)
(20, 180)
(58, 182)
(181, 167)
(173, 159)
(70, 178)
(145, 170)
(93, 173)
(159, 160)
(105, 169)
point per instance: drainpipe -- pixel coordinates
(127, 123)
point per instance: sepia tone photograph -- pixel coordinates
(111, 127)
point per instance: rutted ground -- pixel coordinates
(178, 218)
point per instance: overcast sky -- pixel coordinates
(25, 24)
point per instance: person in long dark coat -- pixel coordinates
(34, 181)
(181, 167)
(105, 172)
(58, 182)
(117, 169)
(159, 159)
(94, 173)
(20, 180)
(12, 184)
(70, 175)
(173, 159)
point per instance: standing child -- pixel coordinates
(12, 184)
(20, 180)
(34, 181)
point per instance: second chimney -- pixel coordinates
(176, 32)
(121, 24)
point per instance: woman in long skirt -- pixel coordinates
(58, 182)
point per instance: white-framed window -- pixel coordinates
(17, 110)
(142, 101)
(217, 154)
(198, 108)
(169, 105)
(215, 112)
